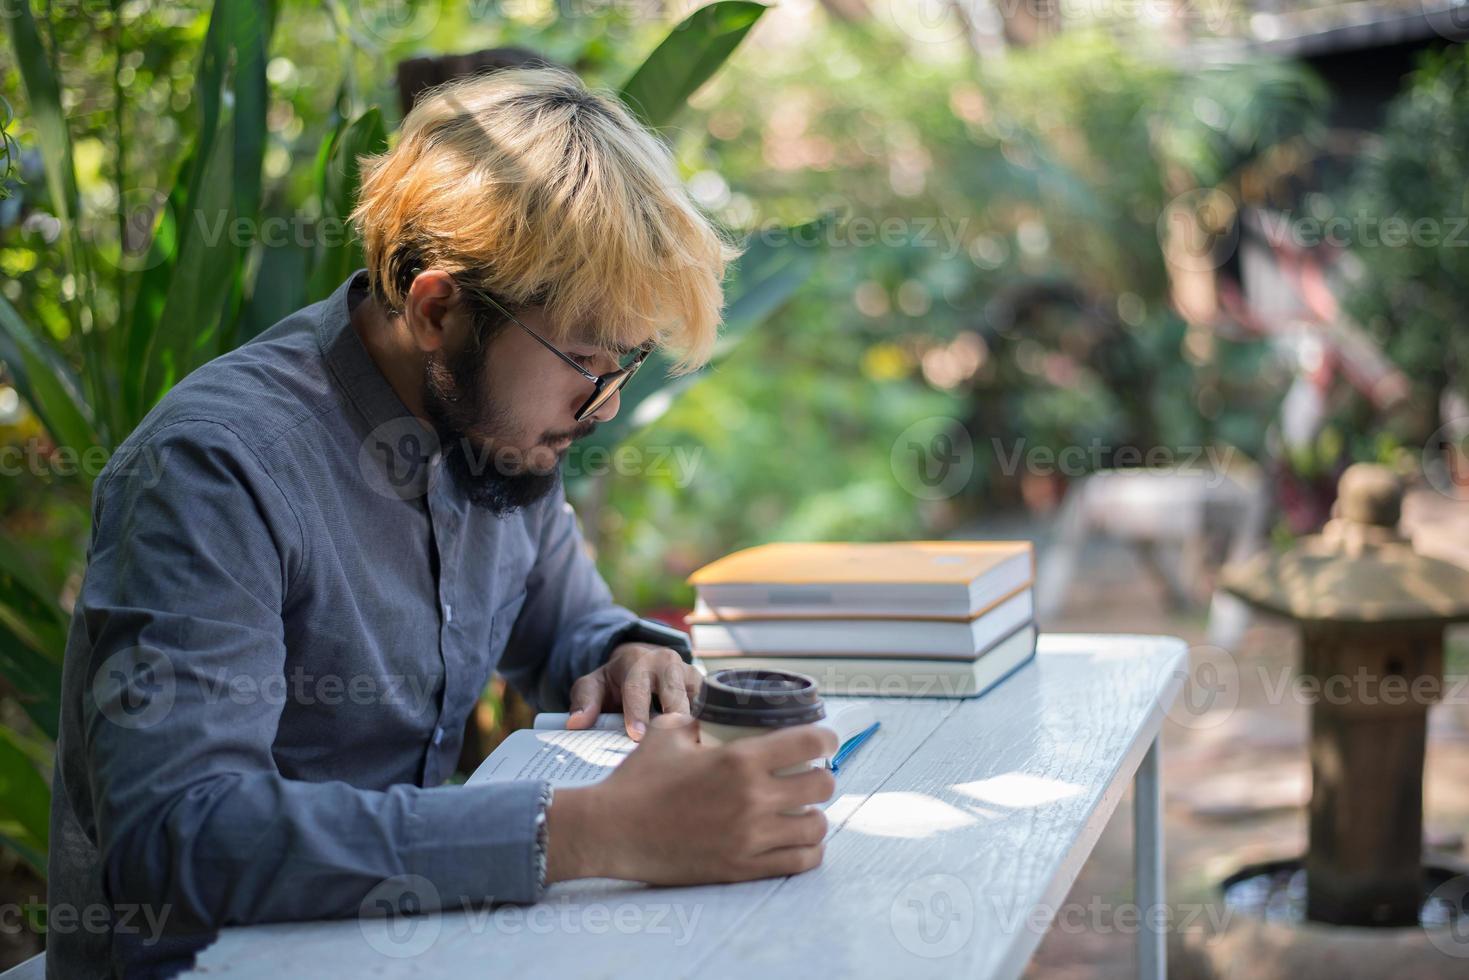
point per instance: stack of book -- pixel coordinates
(911, 619)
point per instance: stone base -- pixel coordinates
(1247, 947)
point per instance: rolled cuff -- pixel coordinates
(483, 842)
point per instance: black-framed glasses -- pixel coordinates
(604, 386)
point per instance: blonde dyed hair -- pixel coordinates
(526, 185)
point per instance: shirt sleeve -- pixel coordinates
(181, 629)
(568, 624)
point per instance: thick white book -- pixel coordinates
(897, 639)
(889, 677)
(550, 751)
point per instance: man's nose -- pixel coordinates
(607, 411)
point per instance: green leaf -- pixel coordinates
(340, 179)
(44, 112)
(280, 289)
(46, 383)
(23, 591)
(180, 301)
(26, 848)
(34, 674)
(206, 262)
(25, 799)
(772, 267)
(687, 59)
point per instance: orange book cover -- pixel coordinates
(844, 563)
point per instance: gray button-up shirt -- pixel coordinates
(288, 612)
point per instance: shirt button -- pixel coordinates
(438, 735)
(448, 613)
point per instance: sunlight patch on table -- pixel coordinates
(1018, 790)
(908, 815)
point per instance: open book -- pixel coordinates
(548, 750)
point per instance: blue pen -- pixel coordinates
(851, 746)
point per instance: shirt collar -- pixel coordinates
(348, 360)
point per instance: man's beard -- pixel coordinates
(500, 480)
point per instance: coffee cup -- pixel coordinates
(742, 703)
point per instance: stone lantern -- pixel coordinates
(1372, 614)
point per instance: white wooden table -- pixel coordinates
(955, 834)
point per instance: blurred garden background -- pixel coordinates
(992, 250)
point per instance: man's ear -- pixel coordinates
(433, 312)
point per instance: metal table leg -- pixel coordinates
(1147, 859)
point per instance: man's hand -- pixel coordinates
(676, 812)
(629, 679)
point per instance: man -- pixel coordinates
(309, 558)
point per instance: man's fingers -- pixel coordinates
(673, 695)
(670, 726)
(586, 699)
(637, 699)
(789, 746)
(787, 860)
(815, 786)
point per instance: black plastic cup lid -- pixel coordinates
(758, 698)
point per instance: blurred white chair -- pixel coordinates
(1181, 521)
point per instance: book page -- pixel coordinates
(565, 758)
(574, 758)
(611, 721)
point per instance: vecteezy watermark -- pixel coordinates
(1448, 18)
(131, 247)
(933, 458)
(1210, 691)
(135, 687)
(400, 917)
(300, 687)
(143, 467)
(1445, 459)
(1078, 460)
(1198, 231)
(276, 231)
(398, 458)
(96, 918)
(933, 916)
(395, 21)
(945, 233)
(1364, 230)
(1452, 899)
(1362, 688)
(1100, 917)
(138, 687)
(568, 917)
(679, 463)
(393, 917)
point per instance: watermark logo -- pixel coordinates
(933, 917)
(933, 458)
(396, 458)
(927, 21)
(1445, 459)
(1448, 18)
(392, 920)
(1198, 231)
(395, 21)
(1211, 688)
(128, 244)
(135, 688)
(1453, 897)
